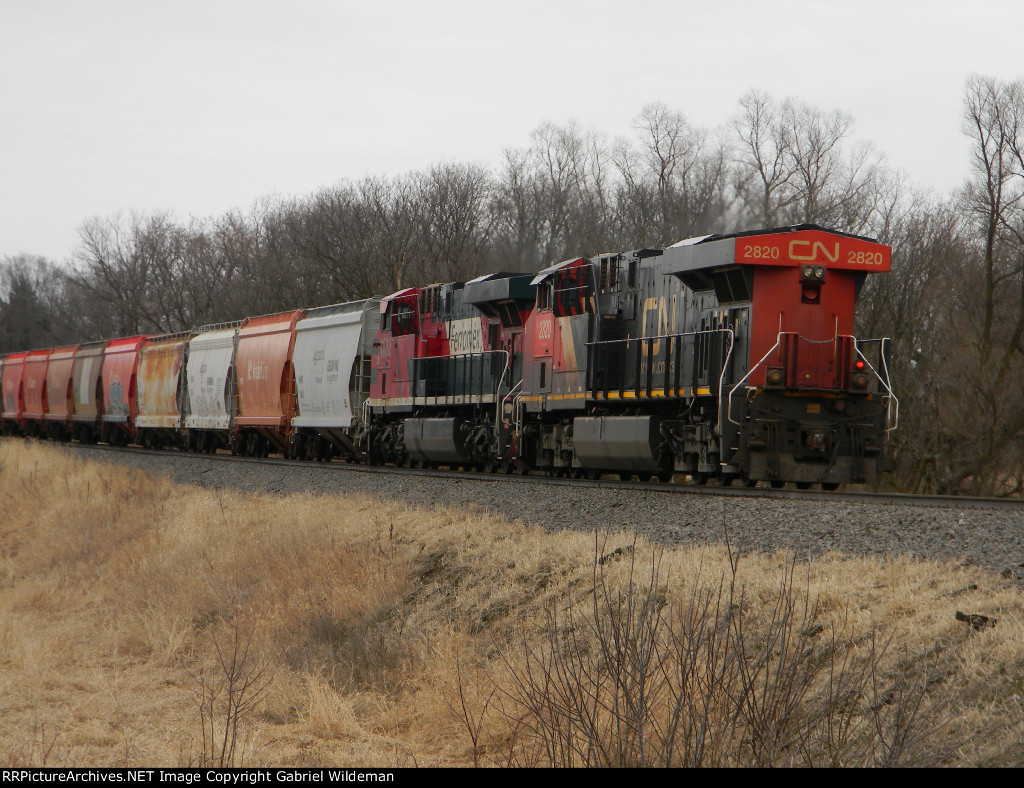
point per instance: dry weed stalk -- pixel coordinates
(637, 681)
(227, 698)
(37, 753)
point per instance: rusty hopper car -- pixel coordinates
(266, 384)
(161, 391)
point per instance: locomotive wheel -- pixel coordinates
(665, 477)
(644, 477)
(777, 484)
(803, 485)
(522, 468)
(701, 477)
(726, 480)
(830, 486)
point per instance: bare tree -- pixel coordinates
(792, 167)
(454, 221)
(673, 181)
(553, 199)
(33, 305)
(766, 174)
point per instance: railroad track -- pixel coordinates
(842, 496)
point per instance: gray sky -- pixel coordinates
(200, 106)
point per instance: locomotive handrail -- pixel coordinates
(892, 408)
(661, 336)
(497, 389)
(511, 392)
(670, 337)
(892, 414)
(517, 412)
(721, 382)
(750, 372)
(501, 407)
(469, 377)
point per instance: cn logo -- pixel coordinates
(808, 250)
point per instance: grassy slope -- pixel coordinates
(381, 634)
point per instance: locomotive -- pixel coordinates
(721, 357)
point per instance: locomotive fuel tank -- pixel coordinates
(631, 443)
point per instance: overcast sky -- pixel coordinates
(200, 106)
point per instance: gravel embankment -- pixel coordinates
(990, 538)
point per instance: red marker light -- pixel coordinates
(859, 364)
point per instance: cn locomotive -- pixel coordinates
(721, 357)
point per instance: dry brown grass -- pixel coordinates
(383, 634)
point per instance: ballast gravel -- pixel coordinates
(989, 538)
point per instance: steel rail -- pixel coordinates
(677, 488)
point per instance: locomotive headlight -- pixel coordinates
(775, 377)
(860, 381)
(813, 273)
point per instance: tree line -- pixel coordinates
(953, 304)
